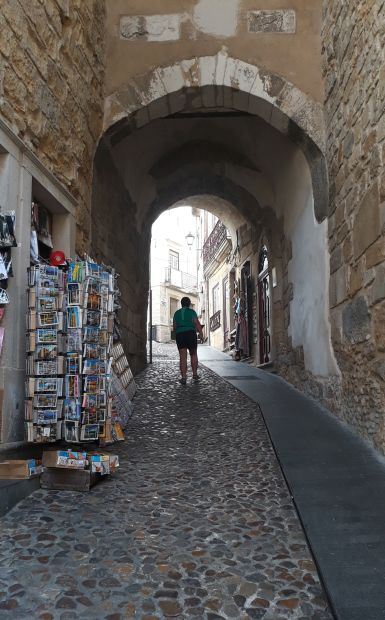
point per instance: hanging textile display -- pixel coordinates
(70, 325)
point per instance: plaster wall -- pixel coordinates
(216, 278)
(308, 268)
(204, 27)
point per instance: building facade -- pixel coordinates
(173, 269)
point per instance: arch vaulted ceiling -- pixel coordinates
(223, 83)
(218, 127)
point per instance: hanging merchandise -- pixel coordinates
(7, 241)
(41, 233)
(7, 230)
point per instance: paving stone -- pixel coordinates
(197, 523)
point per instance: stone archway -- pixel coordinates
(222, 82)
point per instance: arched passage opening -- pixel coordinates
(252, 145)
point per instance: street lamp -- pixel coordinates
(190, 239)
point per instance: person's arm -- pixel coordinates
(198, 327)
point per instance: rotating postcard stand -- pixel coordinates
(69, 352)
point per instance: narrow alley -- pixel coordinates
(198, 522)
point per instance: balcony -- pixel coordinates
(179, 279)
(214, 243)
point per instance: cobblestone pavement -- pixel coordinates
(198, 523)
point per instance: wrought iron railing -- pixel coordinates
(180, 279)
(215, 321)
(214, 242)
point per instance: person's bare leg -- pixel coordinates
(194, 363)
(183, 362)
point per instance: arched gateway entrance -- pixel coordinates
(219, 129)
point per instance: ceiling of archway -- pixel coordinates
(240, 159)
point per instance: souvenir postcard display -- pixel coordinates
(68, 397)
(45, 354)
(123, 388)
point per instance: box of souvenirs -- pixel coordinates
(20, 469)
(65, 458)
(103, 463)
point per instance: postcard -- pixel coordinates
(92, 318)
(72, 409)
(91, 351)
(93, 269)
(72, 386)
(47, 304)
(90, 401)
(71, 431)
(46, 352)
(45, 400)
(94, 367)
(46, 368)
(89, 432)
(76, 271)
(74, 293)
(93, 286)
(46, 336)
(74, 317)
(91, 334)
(48, 384)
(73, 364)
(45, 416)
(74, 340)
(47, 319)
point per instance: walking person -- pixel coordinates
(186, 325)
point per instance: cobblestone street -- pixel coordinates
(198, 522)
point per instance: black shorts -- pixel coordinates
(187, 340)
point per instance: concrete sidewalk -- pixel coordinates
(337, 482)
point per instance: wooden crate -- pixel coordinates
(62, 479)
(16, 470)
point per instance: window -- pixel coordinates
(173, 259)
(215, 294)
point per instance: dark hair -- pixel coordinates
(185, 302)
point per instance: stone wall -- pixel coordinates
(51, 87)
(117, 241)
(354, 73)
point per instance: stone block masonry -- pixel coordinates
(354, 73)
(51, 87)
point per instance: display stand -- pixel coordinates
(70, 324)
(45, 354)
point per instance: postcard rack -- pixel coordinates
(45, 354)
(70, 325)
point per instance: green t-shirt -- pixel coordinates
(184, 320)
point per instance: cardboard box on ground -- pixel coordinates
(20, 469)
